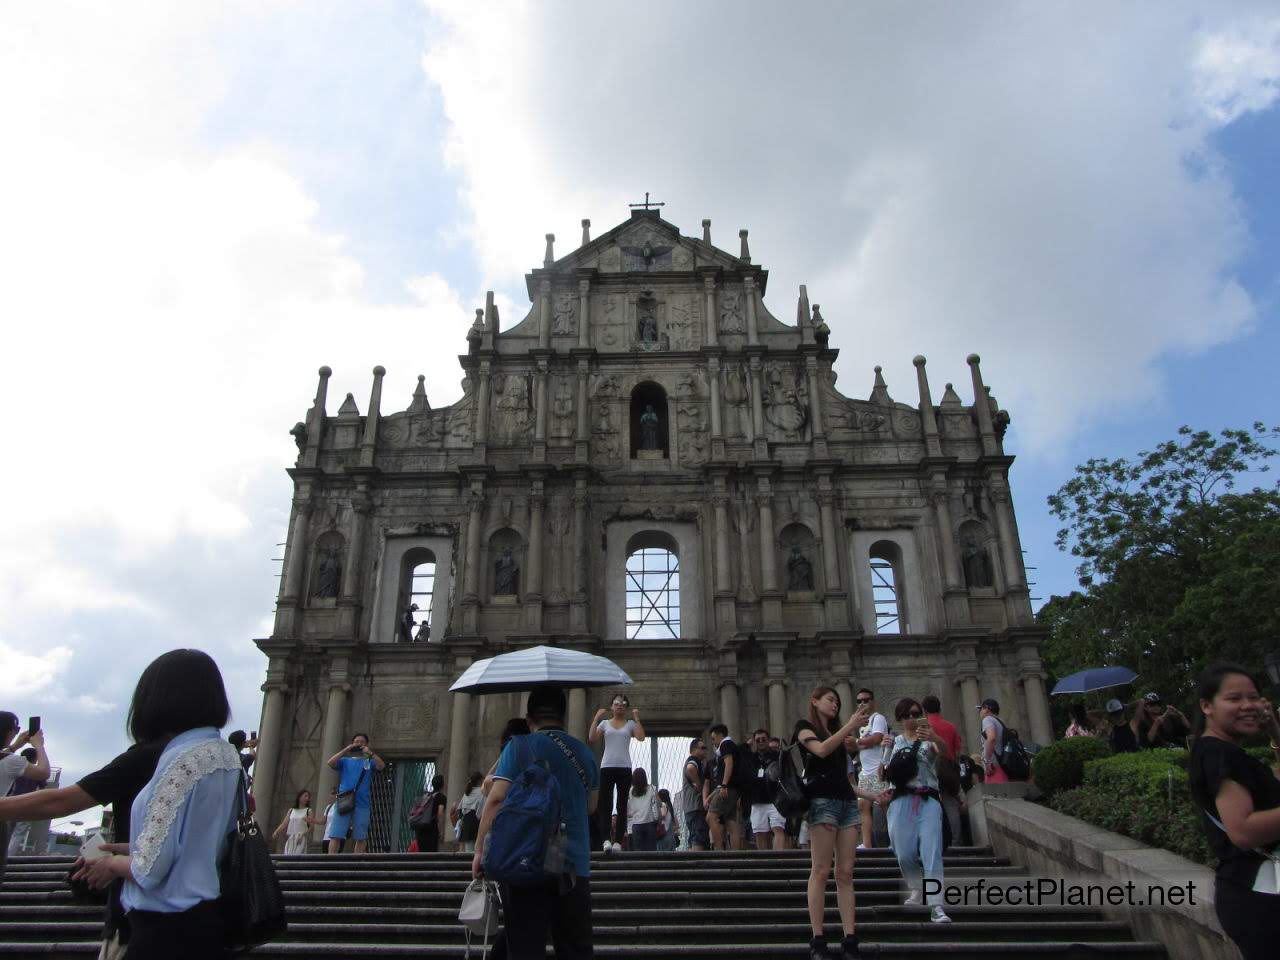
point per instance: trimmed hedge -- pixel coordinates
(1060, 766)
(1140, 795)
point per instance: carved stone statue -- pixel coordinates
(407, 624)
(649, 428)
(647, 320)
(799, 571)
(299, 434)
(505, 571)
(329, 575)
(977, 565)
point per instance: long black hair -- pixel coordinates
(179, 691)
(639, 782)
(1210, 683)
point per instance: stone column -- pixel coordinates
(749, 295)
(482, 405)
(724, 583)
(830, 549)
(713, 381)
(577, 718)
(540, 402)
(757, 399)
(471, 593)
(768, 561)
(315, 420)
(729, 709)
(1037, 708)
(777, 708)
(932, 442)
(331, 741)
(533, 582)
(584, 313)
(946, 537)
(580, 612)
(295, 567)
(583, 429)
(544, 315)
(459, 739)
(982, 407)
(269, 735)
(1010, 548)
(815, 398)
(360, 507)
(969, 700)
(709, 307)
(369, 442)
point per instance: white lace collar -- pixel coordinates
(171, 791)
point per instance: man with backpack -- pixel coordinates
(695, 814)
(534, 837)
(427, 817)
(1003, 756)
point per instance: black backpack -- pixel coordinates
(1013, 757)
(787, 779)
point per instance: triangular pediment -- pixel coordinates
(645, 243)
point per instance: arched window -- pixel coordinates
(417, 596)
(422, 585)
(650, 429)
(885, 561)
(653, 588)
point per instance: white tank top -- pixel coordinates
(617, 743)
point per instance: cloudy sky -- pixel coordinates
(203, 202)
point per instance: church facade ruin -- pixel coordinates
(651, 466)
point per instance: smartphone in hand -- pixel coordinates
(33, 725)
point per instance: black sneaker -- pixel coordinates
(849, 947)
(818, 949)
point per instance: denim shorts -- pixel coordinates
(840, 814)
(357, 821)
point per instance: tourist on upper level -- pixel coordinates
(695, 811)
(355, 765)
(915, 813)
(768, 825)
(642, 812)
(833, 814)
(1239, 798)
(297, 824)
(1123, 735)
(181, 819)
(873, 738)
(560, 907)
(617, 730)
(722, 792)
(1160, 724)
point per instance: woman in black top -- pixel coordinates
(833, 813)
(1243, 797)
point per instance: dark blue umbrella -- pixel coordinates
(1095, 678)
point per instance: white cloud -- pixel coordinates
(24, 674)
(1020, 185)
(1237, 69)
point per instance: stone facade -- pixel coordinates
(774, 490)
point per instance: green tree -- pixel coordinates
(1178, 567)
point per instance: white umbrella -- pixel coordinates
(539, 666)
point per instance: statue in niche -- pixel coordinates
(647, 320)
(736, 394)
(786, 400)
(505, 571)
(562, 406)
(731, 313)
(977, 565)
(562, 323)
(799, 571)
(649, 428)
(407, 624)
(329, 575)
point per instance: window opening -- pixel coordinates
(653, 595)
(884, 596)
(422, 584)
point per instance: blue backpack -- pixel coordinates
(527, 841)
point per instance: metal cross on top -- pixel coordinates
(647, 204)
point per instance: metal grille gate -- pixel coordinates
(392, 792)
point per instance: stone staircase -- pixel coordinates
(696, 906)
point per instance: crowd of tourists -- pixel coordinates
(834, 786)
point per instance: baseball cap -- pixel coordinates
(1152, 697)
(992, 705)
(1115, 706)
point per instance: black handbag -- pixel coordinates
(903, 766)
(347, 798)
(252, 903)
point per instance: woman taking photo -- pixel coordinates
(833, 814)
(296, 822)
(181, 818)
(1240, 802)
(915, 813)
(615, 766)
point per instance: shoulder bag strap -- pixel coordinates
(570, 756)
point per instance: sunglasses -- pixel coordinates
(863, 700)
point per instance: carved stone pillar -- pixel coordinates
(757, 399)
(749, 295)
(1037, 708)
(579, 609)
(768, 561)
(270, 735)
(471, 593)
(459, 738)
(360, 507)
(540, 402)
(296, 565)
(730, 711)
(815, 398)
(584, 315)
(713, 381)
(724, 583)
(844, 690)
(830, 549)
(969, 700)
(582, 432)
(482, 405)
(544, 314)
(709, 308)
(335, 723)
(533, 592)
(778, 708)
(1017, 605)
(577, 718)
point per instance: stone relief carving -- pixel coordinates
(427, 430)
(513, 407)
(610, 322)
(460, 425)
(562, 408)
(731, 320)
(605, 386)
(604, 433)
(680, 325)
(563, 321)
(408, 716)
(681, 259)
(786, 399)
(908, 422)
(692, 421)
(736, 394)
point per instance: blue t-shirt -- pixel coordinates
(349, 770)
(573, 795)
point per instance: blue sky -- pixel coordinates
(207, 202)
